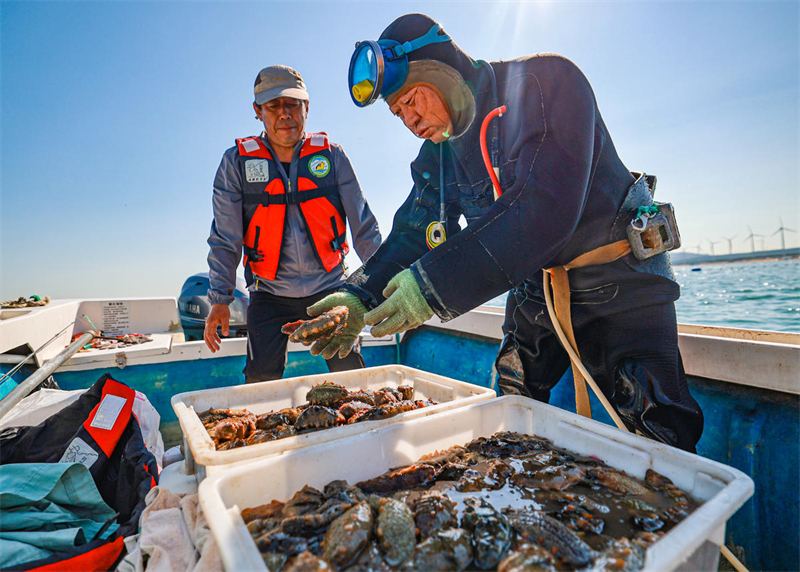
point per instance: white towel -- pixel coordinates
(174, 537)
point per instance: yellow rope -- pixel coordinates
(735, 562)
(575, 359)
(576, 362)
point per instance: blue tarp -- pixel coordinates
(48, 508)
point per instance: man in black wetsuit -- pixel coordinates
(565, 192)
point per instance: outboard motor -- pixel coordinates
(194, 307)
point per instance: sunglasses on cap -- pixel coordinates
(380, 68)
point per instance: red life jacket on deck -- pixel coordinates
(265, 200)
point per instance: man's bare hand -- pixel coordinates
(220, 315)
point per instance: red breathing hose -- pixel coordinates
(485, 151)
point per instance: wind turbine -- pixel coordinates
(750, 237)
(699, 247)
(730, 244)
(712, 243)
(780, 230)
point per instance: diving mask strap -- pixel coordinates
(431, 37)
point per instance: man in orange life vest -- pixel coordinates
(283, 198)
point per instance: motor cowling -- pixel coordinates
(194, 307)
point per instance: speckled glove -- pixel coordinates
(405, 307)
(342, 343)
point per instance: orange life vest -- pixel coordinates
(265, 200)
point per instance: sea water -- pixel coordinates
(757, 295)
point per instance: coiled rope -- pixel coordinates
(23, 302)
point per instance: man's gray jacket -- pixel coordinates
(299, 274)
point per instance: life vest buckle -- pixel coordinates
(651, 233)
(253, 254)
(337, 244)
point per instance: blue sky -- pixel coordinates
(114, 117)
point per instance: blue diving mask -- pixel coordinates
(380, 68)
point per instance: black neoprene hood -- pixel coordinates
(412, 26)
(443, 65)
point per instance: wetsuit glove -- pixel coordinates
(404, 309)
(343, 342)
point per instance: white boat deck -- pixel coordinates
(60, 320)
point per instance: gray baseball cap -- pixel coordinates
(279, 81)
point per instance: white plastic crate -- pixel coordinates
(202, 458)
(691, 545)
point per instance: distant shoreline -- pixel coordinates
(767, 259)
(687, 259)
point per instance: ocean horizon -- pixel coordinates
(751, 294)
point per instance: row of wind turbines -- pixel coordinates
(751, 237)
